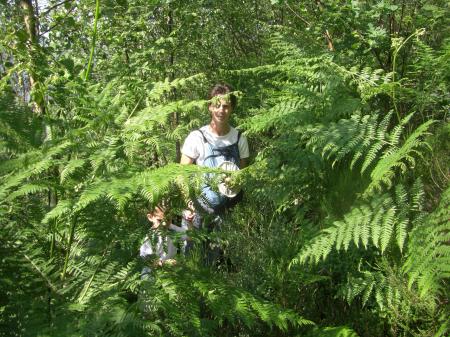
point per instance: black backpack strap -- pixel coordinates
(203, 136)
(239, 136)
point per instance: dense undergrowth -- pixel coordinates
(343, 230)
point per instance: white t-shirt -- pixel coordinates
(161, 246)
(194, 146)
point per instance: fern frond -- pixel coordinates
(62, 208)
(365, 137)
(369, 81)
(338, 331)
(29, 189)
(386, 217)
(273, 116)
(156, 115)
(360, 135)
(70, 168)
(40, 162)
(227, 300)
(151, 184)
(428, 254)
(162, 88)
(384, 171)
(91, 194)
(372, 284)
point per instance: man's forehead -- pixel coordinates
(223, 99)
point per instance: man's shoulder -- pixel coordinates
(202, 130)
(198, 132)
(195, 134)
(242, 137)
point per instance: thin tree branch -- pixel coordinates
(57, 24)
(94, 39)
(329, 40)
(49, 9)
(298, 16)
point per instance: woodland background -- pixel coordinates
(344, 227)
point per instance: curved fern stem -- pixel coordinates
(88, 285)
(52, 242)
(42, 274)
(66, 260)
(94, 38)
(418, 32)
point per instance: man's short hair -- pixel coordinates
(223, 89)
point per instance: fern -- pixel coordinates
(400, 158)
(379, 222)
(358, 135)
(163, 88)
(385, 287)
(28, 189)
(340, 331)
(365, 137)
(225, 301)
(275, 116)
(71, 167)
(40, 163)
(151, 184)
(18, 126)
(428, 254)
(312, 115)
(373, 284)
(370, 82)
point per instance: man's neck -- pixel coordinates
(219, 130)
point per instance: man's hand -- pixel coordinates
(170, 262)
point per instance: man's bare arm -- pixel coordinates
(243, 163)
(185, 160)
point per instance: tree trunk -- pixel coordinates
(31, 27)
(175, 114)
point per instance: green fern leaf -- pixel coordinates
(384, 170)
(382, 221)
(28, 189)
(428, 255)
(63, 207)
(71, 167)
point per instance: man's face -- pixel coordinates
(220, 110)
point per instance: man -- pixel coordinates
(216, 144)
